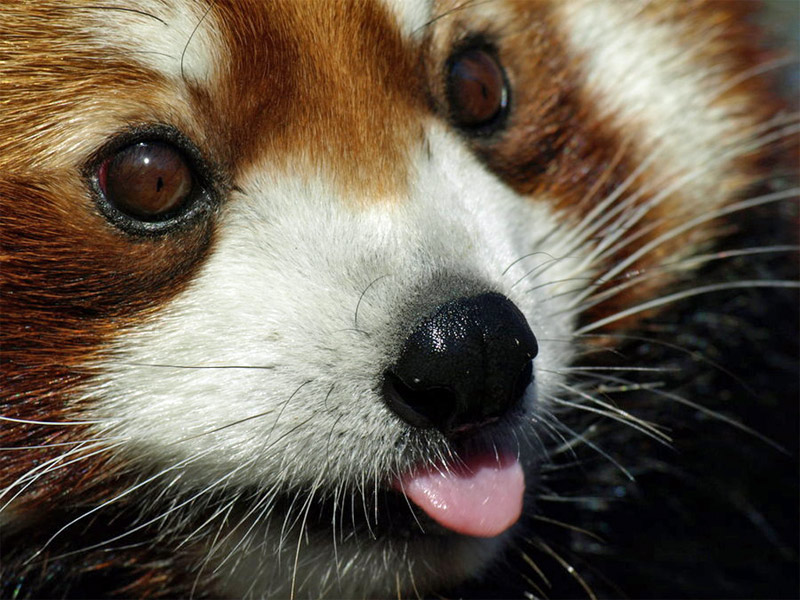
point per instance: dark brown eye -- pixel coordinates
(476, 89)
(148, 181)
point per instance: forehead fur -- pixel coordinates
(249, 80)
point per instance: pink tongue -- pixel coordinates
(482, 498)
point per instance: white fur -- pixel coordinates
(178, 40)
(412, 15)
(280, 293)
(638, 71)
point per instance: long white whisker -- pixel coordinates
(629, 218)
(692, 223)
(680, 265)
(697, 291)
(582, 439)
(612, 412)
(114, 499)
(53, 464)
(59, 423)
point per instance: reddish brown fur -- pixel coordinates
(344, 100)
(348, 100)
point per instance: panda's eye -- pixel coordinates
(477, 90)
(147, 181)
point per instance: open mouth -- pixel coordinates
(476, 494)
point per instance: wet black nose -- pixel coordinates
(464, 365)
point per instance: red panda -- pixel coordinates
(352, 298)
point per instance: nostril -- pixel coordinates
(420, 408)
(466, 364)
(437, 406)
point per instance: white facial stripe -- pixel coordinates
(178, 39)
(412, 15)
(640, 75)
(279, 294)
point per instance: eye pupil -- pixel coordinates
(147, 180)
(476, 89)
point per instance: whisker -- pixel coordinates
(114, 499)
(197, 367)
(525, 256)
(613, 413)
(692, 223)
(55, 444)
(58, 423)
(569, 527)
(636, 278)
(582, 439)
(305, 510)
(160, 517)
(759, 69)
(693, 354)
(191, 37)
(361, 299)
(567, 567)
(628, 218)
(532, 564)
(697, 291)
(49, 466)
(721, 417)
(245, 419)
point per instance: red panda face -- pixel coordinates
(302, 282)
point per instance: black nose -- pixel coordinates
(464, 365)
